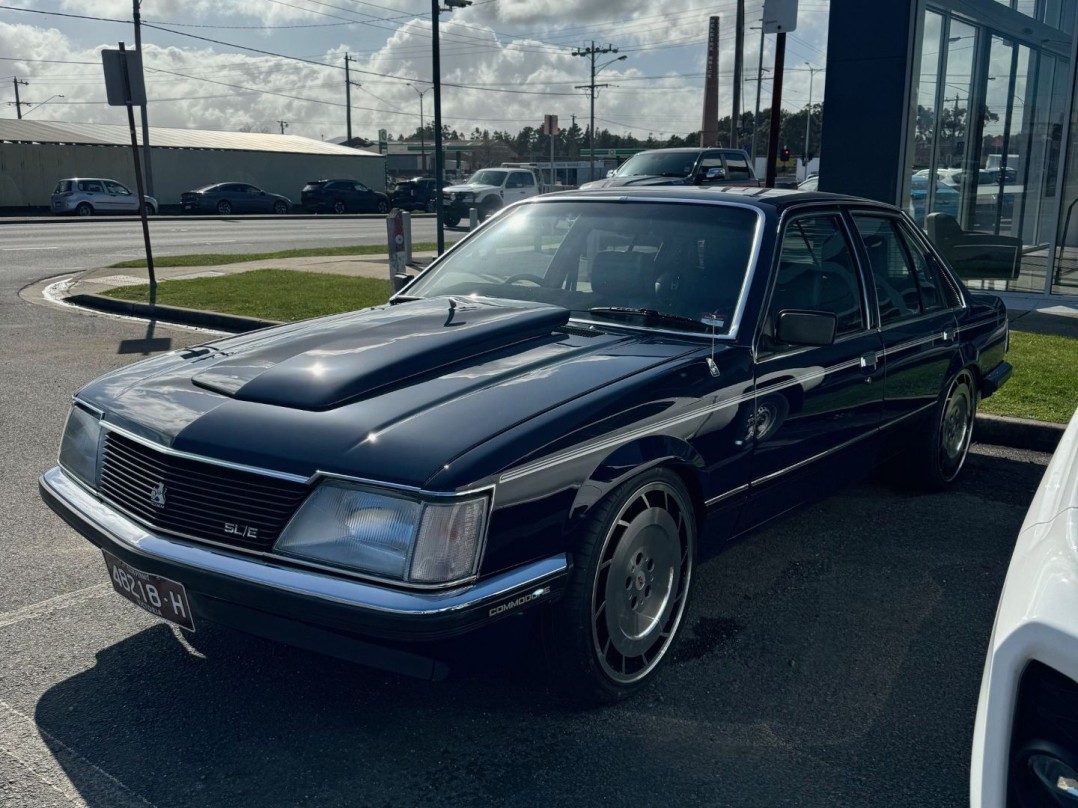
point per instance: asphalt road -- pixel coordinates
(832, 659)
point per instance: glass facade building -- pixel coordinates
(987, 152)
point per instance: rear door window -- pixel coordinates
(737, 167)
(892, 269)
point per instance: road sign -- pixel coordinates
(123, 78)
(780, 16)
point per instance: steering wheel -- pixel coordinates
(525, 276)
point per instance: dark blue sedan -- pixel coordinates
(550, 425)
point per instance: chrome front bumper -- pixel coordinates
(311, 597)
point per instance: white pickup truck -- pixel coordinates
(488, 190)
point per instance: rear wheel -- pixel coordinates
(935, 462)
(628, 590)
(224, 207)
(451, 219)
(84, 209)
(339, 206)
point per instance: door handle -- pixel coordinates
(948, 335)
(869, 360)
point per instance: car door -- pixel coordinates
(917, 315)
(362, 196)
(94, 193)
(120, 198)
(817, 408)
(518, 185)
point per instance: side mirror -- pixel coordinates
(710, 174)
(806, 327)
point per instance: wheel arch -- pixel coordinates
(635, 457)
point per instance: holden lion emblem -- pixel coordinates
(157, 495)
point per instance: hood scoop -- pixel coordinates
(367, 352)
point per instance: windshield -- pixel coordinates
(487, 177)
(658, 164)
(677, 265)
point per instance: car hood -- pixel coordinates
(393, 394)
(636, 179)
(469, 188)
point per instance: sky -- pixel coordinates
(249, 65)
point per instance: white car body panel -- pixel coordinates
(1037, 618)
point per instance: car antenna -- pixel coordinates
(715, 321)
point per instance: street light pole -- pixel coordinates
(137, 18)
(422, 133)
(436, 75)
(591, 53)
(33, 107)
(759, 77)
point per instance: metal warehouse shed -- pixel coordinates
(35, 154)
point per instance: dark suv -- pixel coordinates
(418, 193)
(689, 166)
(342, 196)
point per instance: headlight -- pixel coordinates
(78, 449)
(388, 534)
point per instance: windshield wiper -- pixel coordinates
(649, 315)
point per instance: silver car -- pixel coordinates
(84, 196)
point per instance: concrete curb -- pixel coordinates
(172, 314)
(1018, 433)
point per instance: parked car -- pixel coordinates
(488, 191)
(685, 166)
(227, 198)
(85, 196)
(946, 201)
(552, 421)
(418, 193)
(342, 196)
(1025, 746)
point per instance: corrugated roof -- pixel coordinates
(112, 135)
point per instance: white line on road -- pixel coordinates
(44, 607)
(25, 249)
(23, 741)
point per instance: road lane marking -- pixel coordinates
(46, 607)
(24, 249)
(24, 741)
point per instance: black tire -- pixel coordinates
(632, 569)
(451, 219)
(339, 206)
(488, 209)
(382, 206)
(224, 207)
(151, 210)
(280, 207)
(936, 460)
(84, 209)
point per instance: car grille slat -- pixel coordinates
(201, 500)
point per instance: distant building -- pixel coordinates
(35, 154)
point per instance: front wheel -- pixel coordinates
(224, 207)
(451, 219)
(628, 590)
(382, 206)
(280, 207)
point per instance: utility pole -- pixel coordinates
(18, 103)
(284, 125)
(759, 76)
(808, 115)
(776, 108)
(142, 108)
(436, 76)
(739, 58)
(591, 87)
(348, 96)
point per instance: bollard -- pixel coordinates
(407, 216)
(473, 218)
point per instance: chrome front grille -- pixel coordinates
(195, 499)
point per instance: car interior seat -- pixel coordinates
(973, 255)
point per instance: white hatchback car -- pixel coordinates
(1025, 740)
(86, 196)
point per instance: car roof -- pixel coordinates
(777, 199)
(691, 150)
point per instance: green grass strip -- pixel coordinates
(268, 294)
(1044, 385)
(216, 259)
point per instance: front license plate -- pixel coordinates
(159, 596)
